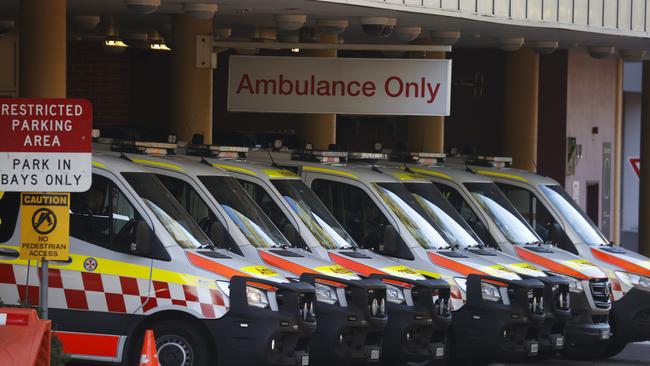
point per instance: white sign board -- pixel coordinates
(418, 87)
(45, 145)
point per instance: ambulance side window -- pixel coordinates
(458, 202)
(530, 208)
(103, 216)
(190, 199)
(274, 212)
(9, 206)
(355, 210)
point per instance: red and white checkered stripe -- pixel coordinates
(76, 290)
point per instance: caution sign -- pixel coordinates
(45, 226)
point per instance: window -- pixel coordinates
(9, 206)
(355, 210)
(103, 216)
(531, 208)
(274, 212)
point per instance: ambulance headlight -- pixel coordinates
(490, 292)
(326, 294)
(395, 294)
(257, 297)
(632, 279)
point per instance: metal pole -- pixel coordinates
(44, 287)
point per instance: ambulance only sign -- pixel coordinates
(45, 145)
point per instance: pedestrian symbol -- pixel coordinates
(44, 221)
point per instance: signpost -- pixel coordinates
(45, 153)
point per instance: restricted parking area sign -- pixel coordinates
(45, 227)
(45, 145)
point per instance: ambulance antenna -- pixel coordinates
(407, 169)
(273, 163)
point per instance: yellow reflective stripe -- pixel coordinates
(502, 175)
(408, 176)
(2, 194)
(237, 169)
(331, 171)
(157, 163)
(99, 165)
(432, 173)
(279, 173)
(117, 268)
(429, 274)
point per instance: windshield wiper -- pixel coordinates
(207, 246)
(538, 242)
(348, 247)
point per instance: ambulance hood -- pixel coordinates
(467, 263)
(626, 260)
(508, 262)
(559, 261)
(366, 263)
(298, 262)
(228, 265)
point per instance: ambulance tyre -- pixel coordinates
(178, 344)
(612, 349)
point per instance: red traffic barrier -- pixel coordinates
(149, 355)
(25, 340)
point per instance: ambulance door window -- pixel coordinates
(531, 208)
(355, 210)
(462, 206)
(9, 206)
(274, 212)
(190, 199)
(103, 216)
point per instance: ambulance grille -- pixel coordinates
(601, 291)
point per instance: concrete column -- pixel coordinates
(520, 108)
(191, 86)
(644, 183)
(42, 26)
(618, 153)
(319, 129)
(426, 133)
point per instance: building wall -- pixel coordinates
(591, 86)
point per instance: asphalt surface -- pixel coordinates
(634, 355)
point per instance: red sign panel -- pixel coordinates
(45, 145)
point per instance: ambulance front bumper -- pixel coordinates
(631, 316)
(252, 336)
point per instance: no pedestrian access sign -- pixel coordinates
(45, 145)
(45, 226)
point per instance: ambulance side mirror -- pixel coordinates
(389, 242)
(143, 239)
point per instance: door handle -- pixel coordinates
(11, 253)
(67, 261)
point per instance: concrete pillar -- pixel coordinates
(191, 86)
(426, 133)
(644, 183)
(319, 129)
(618, 153)
(520, 108)
(42, 26)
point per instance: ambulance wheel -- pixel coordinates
(177, 344)
(612, 349)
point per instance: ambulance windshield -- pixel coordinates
(577, 218)
(320, 222)
(246, 214)
(452, 225)
(412, 215)
(502, 213)
(172, 215)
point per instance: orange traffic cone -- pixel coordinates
(149, 356)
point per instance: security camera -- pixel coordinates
(406, 34)
(332, 26)
(381, 27)
(6, 26)
(632, 55)
(200, 11)
(290, 22)
(142, 6)
(85, 22)
(600, 51)
(543, 47)
(444, 37)
(510, 44)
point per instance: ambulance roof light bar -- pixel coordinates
(498, 162)
(218, 151)
(319, 156)
(144, 147)
(421, 157)
(366, 156)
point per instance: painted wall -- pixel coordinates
(590, 103)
